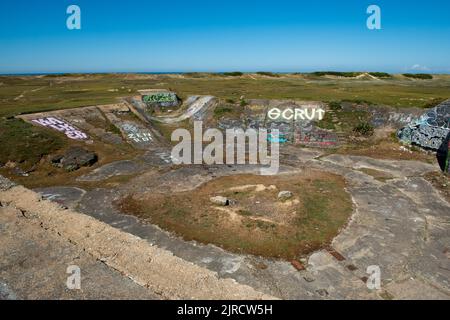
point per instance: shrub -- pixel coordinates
(337, 74)
(244, 103)
(364, 129)
(421, 76)
(433, 103)
(233, 74)
(335, 105)
(359, 101)
(267, 74)
(221, 110)
(380, 74)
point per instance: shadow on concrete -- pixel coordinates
(442, 154)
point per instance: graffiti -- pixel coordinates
(280, 137)
(380, 118)
(430, 130)
(401, 118)
(61, 126)
(296, 114)
(136, 134)
(165, 157)
(314, 137)
(160, 97)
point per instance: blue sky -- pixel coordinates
(216, 35)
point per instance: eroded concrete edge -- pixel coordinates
(146, 264)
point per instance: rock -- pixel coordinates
(309, 278)
(159, 99)
(74, 158)
(10, 165)
(431, 131)
(221, 201)
(322, 292)
(5, 183)
(298, 265)
(283, 195)
(19, 172)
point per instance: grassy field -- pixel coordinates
(25, 144)
(40, 93)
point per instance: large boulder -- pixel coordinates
(75, 158)
(220, 201)
(284, 195)
(431, 130)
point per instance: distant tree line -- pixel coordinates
(422, 76)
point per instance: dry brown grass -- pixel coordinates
(257, 223)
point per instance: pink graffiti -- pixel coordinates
(61, 126)
(315, 138)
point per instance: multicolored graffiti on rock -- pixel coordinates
(61, 126)
(315, 137)
(431, 130)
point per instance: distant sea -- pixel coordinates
(63, 73)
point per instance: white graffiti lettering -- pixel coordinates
(61, 126)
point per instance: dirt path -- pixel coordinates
(22, 95)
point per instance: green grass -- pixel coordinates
(222, 110)
(348, 120)
(26, 144)
(326, 122)
(28, 94)
(59, 92)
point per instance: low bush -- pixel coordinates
(420, 76)
(364, 129)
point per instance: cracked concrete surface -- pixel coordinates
(400, 225)
(125, 255)
(34, 262)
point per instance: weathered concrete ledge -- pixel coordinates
(149, 266)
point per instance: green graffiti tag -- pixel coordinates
(159, 98)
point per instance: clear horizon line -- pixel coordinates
(210, 72)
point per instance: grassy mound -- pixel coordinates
(257, 222)
(26, 144)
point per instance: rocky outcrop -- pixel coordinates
(74, 158)
(431, 130)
